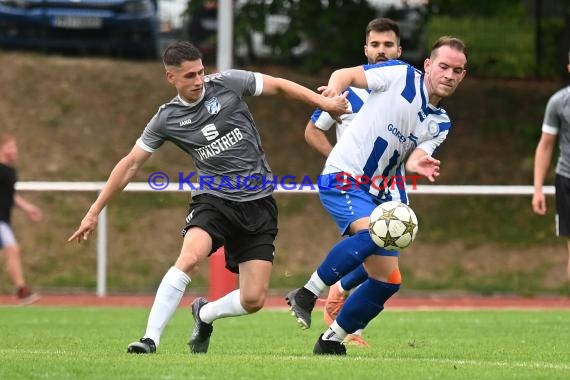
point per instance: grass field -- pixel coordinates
(90, 343)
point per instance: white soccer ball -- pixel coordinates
(393, 225)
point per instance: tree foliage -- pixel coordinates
(328, 26)
(470, 8)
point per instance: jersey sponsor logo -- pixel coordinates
(218, 146)
(185, 122)
(210, 132)
(396, 132)
(212, 105)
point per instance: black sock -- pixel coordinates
(306, 299)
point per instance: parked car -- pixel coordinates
(122, 26)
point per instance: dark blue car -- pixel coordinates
(122, 26)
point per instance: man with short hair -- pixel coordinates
(210, 121)
(382, 43)
(396, 131)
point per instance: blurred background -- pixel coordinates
(81, 79)
(507, 38)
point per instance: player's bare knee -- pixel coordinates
(253, 304)
(187, 262)
(13, 251)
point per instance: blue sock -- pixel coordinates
(354, 278)
(345, 256)
(364, 304)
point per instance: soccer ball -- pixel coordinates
(393, 225)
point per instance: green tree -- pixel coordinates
(335, 30)
(469, 8)
(328, 26)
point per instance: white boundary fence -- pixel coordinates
(173, 187)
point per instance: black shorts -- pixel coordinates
(247, 230)
(562, 189)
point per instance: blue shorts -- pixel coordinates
(345, 206)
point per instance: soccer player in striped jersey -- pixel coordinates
(556, 123)
(397, 130)
(382, 43)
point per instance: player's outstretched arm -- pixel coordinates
(33, 211)
(272, 86)
(423, 164)
(120, 177)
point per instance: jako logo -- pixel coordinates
(210, 132)
(396, 133)
(185, 122)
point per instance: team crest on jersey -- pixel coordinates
(213, 105)
(433, 128)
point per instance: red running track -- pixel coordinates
(278, 301)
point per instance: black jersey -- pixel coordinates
(8, 179)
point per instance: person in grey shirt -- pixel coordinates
(556, 124)
(210, 121)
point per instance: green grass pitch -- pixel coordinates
(90, 343)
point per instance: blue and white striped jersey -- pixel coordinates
(323, 120)
(396, 119)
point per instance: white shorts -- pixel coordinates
(7, 237)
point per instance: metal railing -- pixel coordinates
(144, 187)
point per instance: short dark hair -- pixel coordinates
(383, 25)
(453, 42)
(180, 51)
